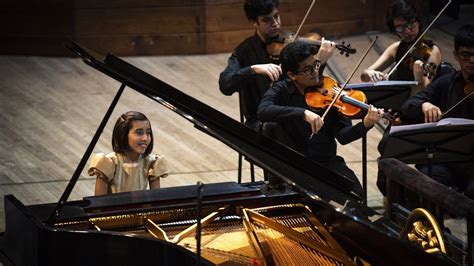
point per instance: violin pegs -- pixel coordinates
(341, 52)
(347, 54)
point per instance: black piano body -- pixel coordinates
(126, 228)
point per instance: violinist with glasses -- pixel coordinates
(303, 128)
(250, 70)
(452, 95)
(420, 64)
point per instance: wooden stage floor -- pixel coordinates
(51, 107)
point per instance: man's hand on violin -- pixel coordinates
(373, 115)
(325, 51)
(431, 112)
(315, 121)
(271, 70)
(374, 75)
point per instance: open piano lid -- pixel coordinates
(306, 176)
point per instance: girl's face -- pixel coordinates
(139, 137)
(406, 30)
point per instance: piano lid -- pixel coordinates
(304, 175)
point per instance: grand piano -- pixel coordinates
(314, 219)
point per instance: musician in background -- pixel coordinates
(250, 71)
(131, 166)
(445, 92)
(402, 20)
(302, 129)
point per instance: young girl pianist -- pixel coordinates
(131, 166)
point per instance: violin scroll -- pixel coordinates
(347, 49)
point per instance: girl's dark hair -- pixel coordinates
(400, 9)
(255, 8)
(464, 37)
(294, 53)
(121, 129)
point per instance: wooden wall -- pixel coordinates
(163, 27)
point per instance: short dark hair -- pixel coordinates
(255, 8)
(464, 37)
(294, 53)
(400, 9)
(121, 129)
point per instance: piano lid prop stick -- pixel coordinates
(200, 187)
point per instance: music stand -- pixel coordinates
(387, 94)
(448, 140)
(382, 94)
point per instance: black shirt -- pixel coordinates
(284, 104)
(403, 71)
(444, 92)
(238, 76)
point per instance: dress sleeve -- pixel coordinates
(102, 166)
(158, 168)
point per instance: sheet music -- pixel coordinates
(383, 83)
(443, 122)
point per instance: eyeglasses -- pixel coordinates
(310, 70)
(401, 28)
(465, 56)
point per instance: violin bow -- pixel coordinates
(417, 40)
(458, 103)
(350, 77)
(304, 19)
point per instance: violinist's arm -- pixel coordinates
(345, 132)
(374, 72)
(274, 108)
(234, 75)
(419, 72)
(271, 70)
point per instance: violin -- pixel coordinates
(275, 45)
(350, 103)
(422, 51)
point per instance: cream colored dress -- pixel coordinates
(121, 176)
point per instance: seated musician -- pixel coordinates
(304, 129)
(402, 19)
(249, 69)
(441, 95)
(131, 166)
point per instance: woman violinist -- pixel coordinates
(285, 104)
(402, 19)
